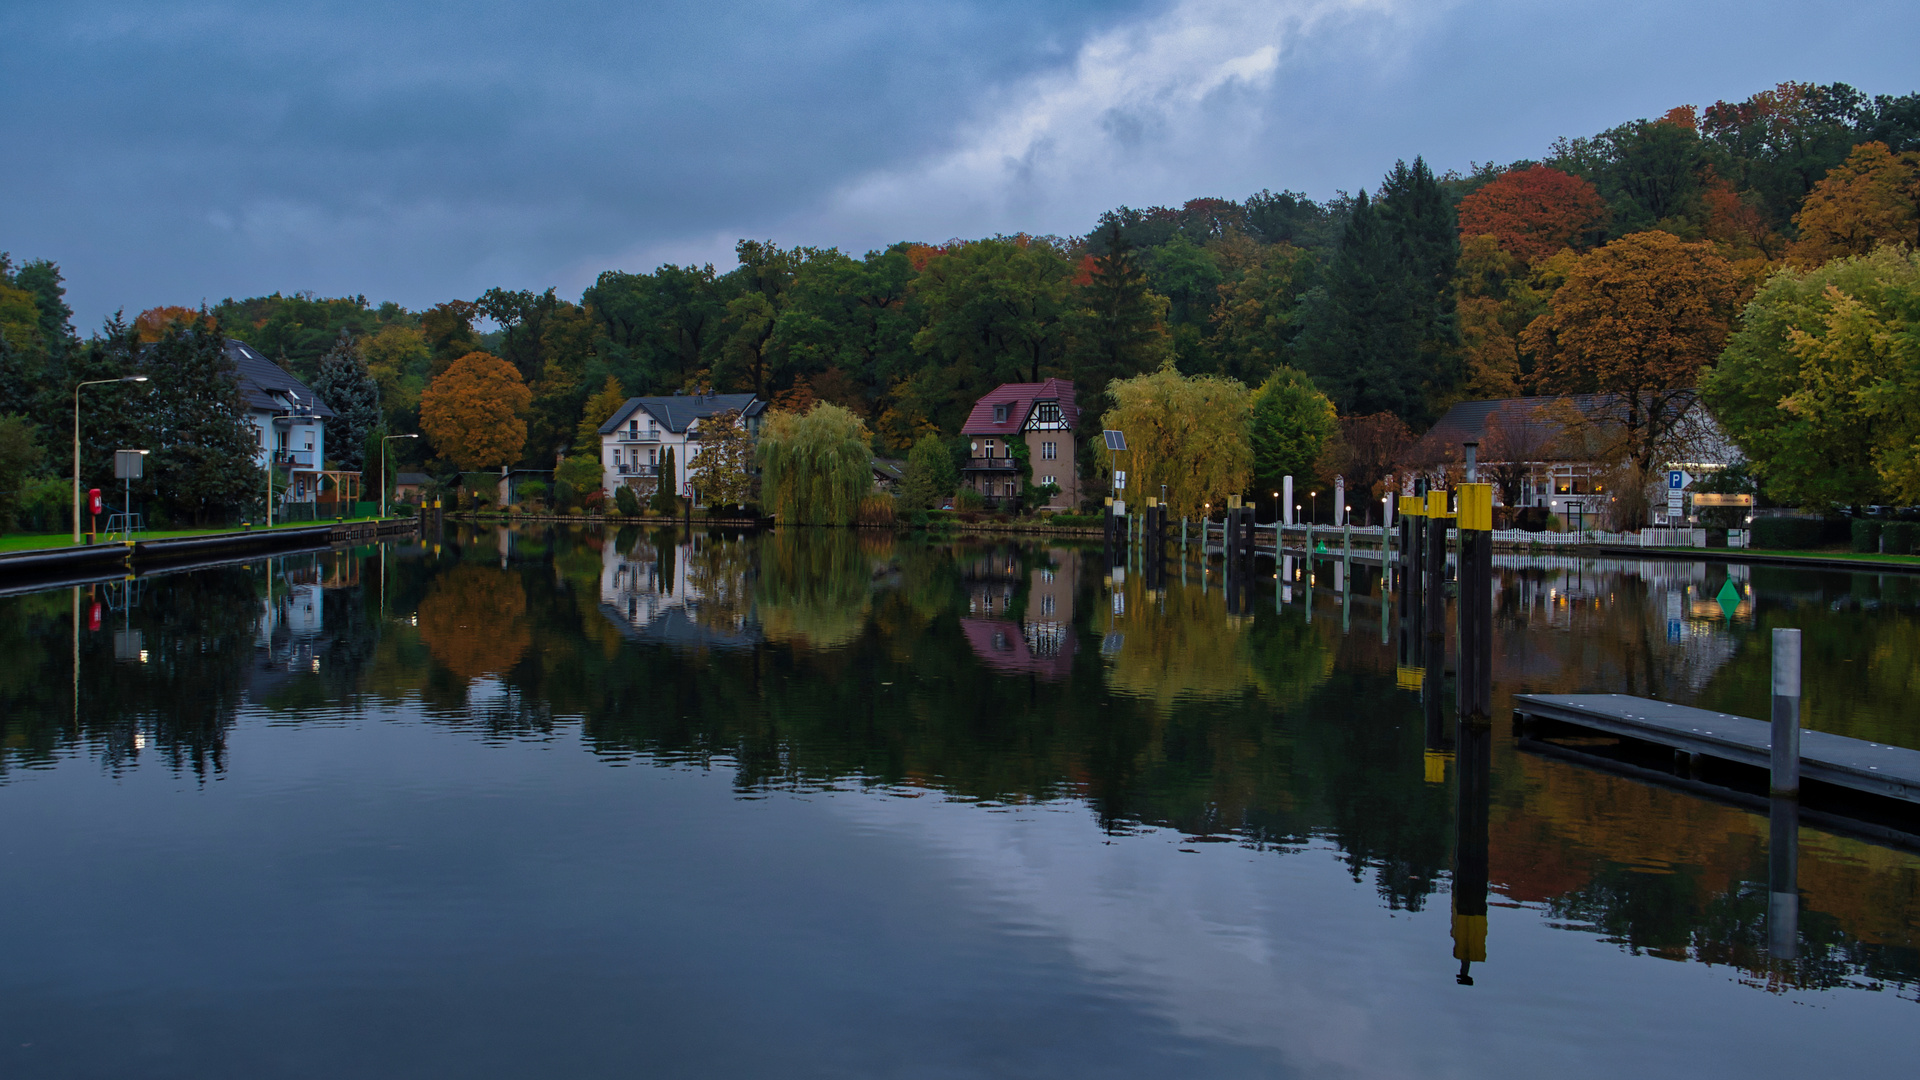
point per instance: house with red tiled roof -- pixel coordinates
(1043, 417)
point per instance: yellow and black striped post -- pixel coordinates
(1474, 609)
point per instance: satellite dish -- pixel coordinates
(1116, 440)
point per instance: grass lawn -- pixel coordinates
(1841, 553)
(48, 541)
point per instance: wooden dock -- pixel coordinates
(1874, 768)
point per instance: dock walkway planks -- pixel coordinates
(1875, 768)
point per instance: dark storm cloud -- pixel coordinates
(174, 152)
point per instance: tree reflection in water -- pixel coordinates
(1007, 672)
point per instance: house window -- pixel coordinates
(1049, 413)
(1007, 489)
(999, 414)
(1046, 604)
(1048, 479)
(1049, 451)
(989, 447)
(1009, 447)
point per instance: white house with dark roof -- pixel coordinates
(634, 441)
(289, 421)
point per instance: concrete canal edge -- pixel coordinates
(1741, 555)
(93, 562)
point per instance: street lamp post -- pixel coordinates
(383, 468)
(76, 441)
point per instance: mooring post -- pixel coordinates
(1786, 713)
(1435, 586)
(1473, 611)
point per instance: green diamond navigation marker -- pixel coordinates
(1729, 598)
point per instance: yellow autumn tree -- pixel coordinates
(475, 412)
(1188, 433)
(1871, 198)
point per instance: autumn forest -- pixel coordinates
(1735, 247)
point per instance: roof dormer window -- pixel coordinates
(1000, 414)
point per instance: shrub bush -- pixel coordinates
(1075, 521)
(1866, 534)
(626, 501)
(874, 510)
(1899, 537)
(1787, 534)
(968, 499)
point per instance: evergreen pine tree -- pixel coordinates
(346, 386)
(665, 500)
(202, 468)
(1379, 335)
(1119, 329)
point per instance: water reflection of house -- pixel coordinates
(653, 593)
(1041, 641)
(287, 639)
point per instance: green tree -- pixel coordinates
(1255, 323)
(724, 458)
(665, 499)
(930, 475)
(1380, 334)
(1188, 433)
(577, 477)
(599, 409)
(1817, 385)
(816, 467)
(996, 312)
(346, 386)
(1118, 326)
(1289, 425)
(202, 467)
(20, 455)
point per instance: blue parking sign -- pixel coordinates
(1673, 480)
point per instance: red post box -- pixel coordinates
(94, 505)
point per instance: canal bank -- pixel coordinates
(92, 562)
(1859, 564)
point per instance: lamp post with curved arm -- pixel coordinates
(76, 441)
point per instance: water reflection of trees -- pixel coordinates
(1266, 728)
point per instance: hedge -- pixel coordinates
(1076, 521)
(1899, 537)
(1787, 534)
(1866, 534)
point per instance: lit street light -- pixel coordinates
(383, 468)
(76, 441)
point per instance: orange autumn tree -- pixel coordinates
(475, 412)
(1637, 321)
(1871, 198)
(152, 324)
(1534, 212)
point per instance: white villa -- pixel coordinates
(290, 420)
(635, 439)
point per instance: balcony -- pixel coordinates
(629, 436)
(625, 469)
(988, 465)
(293, 459)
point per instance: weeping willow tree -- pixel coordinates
(1186, 432)
(815, 468)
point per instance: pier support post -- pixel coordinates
(1785, 779)
(1473, 611)
(1435, 586)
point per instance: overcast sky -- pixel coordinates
(180, 152)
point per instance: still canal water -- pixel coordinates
(586, 803)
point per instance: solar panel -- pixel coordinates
(1116, 440)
